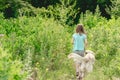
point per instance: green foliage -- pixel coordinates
(43, 42)
(47, 40)
(91, 20)
(42, 3)
(12, 8)
(104, 41)
(1, 16)
(115, 8)
(65, 12)
(3, 5)
(9, 69)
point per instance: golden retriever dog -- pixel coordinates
(85, 63)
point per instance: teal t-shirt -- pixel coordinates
(79, 41)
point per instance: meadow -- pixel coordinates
(42, 43)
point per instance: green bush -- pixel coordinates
(47, 40)
(103, 40)
(10, 69)
(44, 43)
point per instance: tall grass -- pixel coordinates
(43, 43)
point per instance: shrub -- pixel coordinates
(104, 41)
(10, 69)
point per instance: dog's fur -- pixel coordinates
(85, 63)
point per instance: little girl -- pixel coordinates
(79, 42)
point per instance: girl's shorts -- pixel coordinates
(79, 52)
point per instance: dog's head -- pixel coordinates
(89, 51)
(89, 56)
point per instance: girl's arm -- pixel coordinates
(86, 43)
